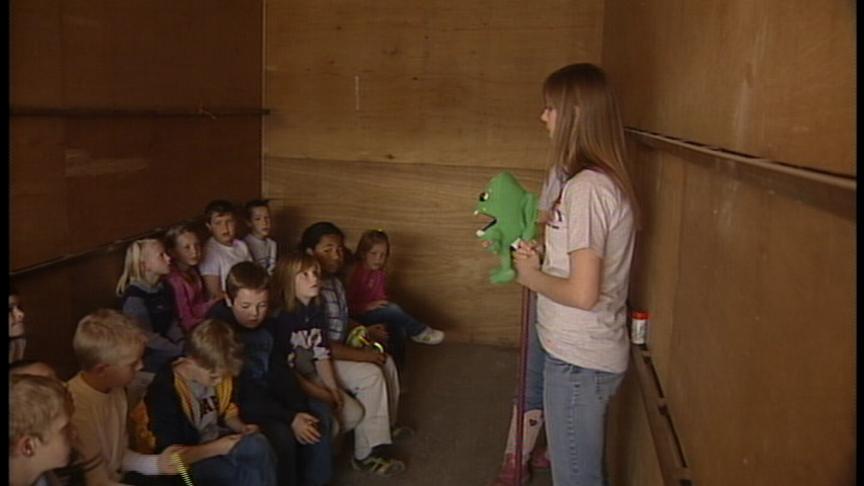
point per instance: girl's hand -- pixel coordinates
(378, 332)
(305, 428)
(250, 429)
(336, 399)
(374, 357)
(376, 304)
(526, 259)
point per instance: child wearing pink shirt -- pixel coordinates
(190, 295)
(369, 304)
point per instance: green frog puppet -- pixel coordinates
(514, 215)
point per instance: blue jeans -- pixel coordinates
(317, 459)
(251, 462)
(575, 400)
(399, 325)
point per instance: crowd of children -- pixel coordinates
(224, 365)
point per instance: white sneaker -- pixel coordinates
(429, 336)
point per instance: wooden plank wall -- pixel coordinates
(395, 114)
(78, 182)
(749, 276)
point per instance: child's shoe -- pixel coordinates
(540, 458)
(429, 336)
(378, 465)
(507, 474)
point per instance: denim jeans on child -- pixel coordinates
(251, 462)
(399, 325)
(575, 401)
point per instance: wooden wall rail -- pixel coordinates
(101, 249)
(662, 141)
(670, 456)
(109, 112)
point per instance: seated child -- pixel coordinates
(109, 347)
(367, 374)
(368, 302)
(190, 296)
(268, 392)
(190, 402)
(222, 250)
(301, 341)
(31, 367)
(261, 246)
(40, 434)
(150, 302)
(17, 338)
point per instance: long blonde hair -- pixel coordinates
(588, 129)
(133, 266)
(283, 292)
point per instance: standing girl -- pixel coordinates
(146, 298)
(582, 283)
(369, 303)
(190, 295)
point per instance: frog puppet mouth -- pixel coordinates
(491, 223)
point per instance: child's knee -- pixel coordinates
(254, 445)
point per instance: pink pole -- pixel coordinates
(520, 394)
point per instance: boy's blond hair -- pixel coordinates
(213, 345)
(34, 403)
(105, 337)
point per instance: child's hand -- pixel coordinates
(376, 304)
(305, 428)
(166, 465)
(250, 429)
(374, 357)
(526, 259)
(378, 332)
(223, 445)
(336, 399)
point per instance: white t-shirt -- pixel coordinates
(218, 258)
(592, 213)
(263, 251)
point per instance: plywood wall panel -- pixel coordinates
(139, 54)
(56, 299)
(660, 181)
(761, 363)
(773, 79)
(36, 53)
(80, 183)
(630, 456)
(438, 269)
(442, 83)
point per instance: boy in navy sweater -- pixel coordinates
(269, 394)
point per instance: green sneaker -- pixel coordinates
(378, 465)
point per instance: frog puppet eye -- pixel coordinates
(484, 196)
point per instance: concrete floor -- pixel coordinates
(457, 397)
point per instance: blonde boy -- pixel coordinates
(109, 346)
(191, 403)
(39, 432)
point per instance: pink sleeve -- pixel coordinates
(379, 291)
(355, 293)
(183, 299)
